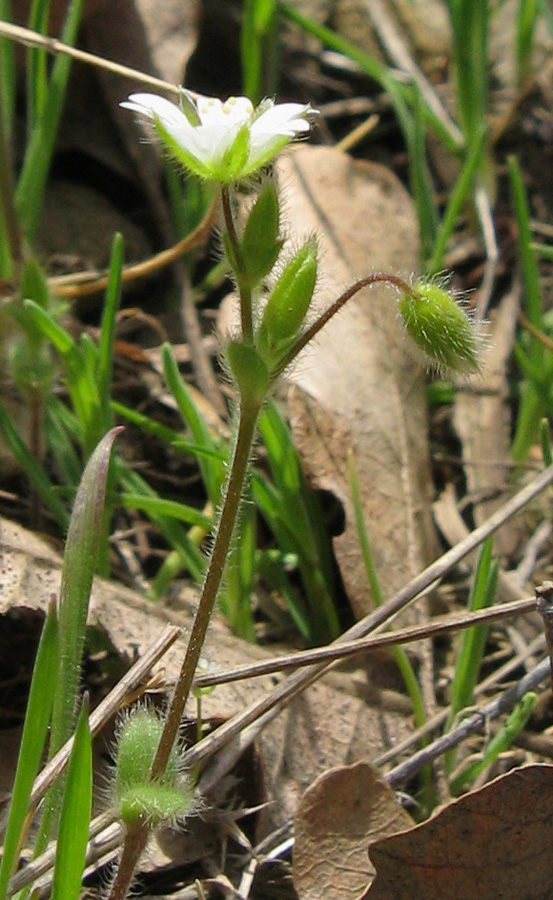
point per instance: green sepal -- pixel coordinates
(249, 372)
(231, 167)
(288, 305)
(261, 244)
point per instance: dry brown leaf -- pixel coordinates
(326, 726)
(360, 386)
(492, 843)
(337, 814)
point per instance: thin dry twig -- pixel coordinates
(29, 38)
(83, 284)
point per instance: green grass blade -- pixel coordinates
(36, 165)
(33, 740)
(529, 266)
(107, 330)
(473, 641)
(168, 436)
(258, 49)
(470, 28)
(79, 363)
(37, 73)
(527, 15)
(420, 179)
(499, 743)
(458, 197)
(7, 77)
(170, 508)
(36, 475)
(75, 815)
(536, 393)
(288, 508)
(61, 432)
(545, 442)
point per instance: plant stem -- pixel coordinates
(136, 841)
(237, 263)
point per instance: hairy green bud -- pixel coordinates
(288, 304)
(261, 244)
(138, 798)
(440, 327)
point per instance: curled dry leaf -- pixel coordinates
(338, 814)
(360, 385)
(492, 843)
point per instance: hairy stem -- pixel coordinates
(136, 840)
(246, 315)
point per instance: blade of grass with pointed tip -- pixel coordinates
(79, 566)
(33, 740)
(75, 815)
(107, 329)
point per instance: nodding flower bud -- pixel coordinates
(440, 327)
(140, 799)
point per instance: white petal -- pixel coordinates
(284, 118)
(152, 106)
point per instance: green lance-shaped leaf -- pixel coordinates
(79, 564)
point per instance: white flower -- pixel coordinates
(223, 142)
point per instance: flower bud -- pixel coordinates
(261, 244)
(288, 304)
(138, 798)
(440, 327)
